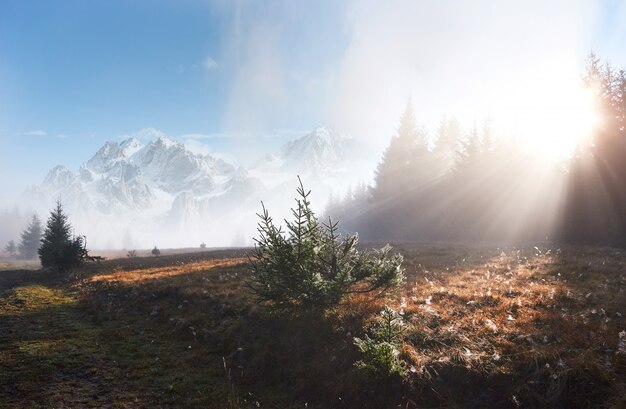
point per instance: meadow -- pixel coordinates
(484, 327)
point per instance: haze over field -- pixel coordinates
(313, 203)
(162, 124)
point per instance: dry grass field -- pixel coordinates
(485, 327)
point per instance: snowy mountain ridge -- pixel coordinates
(161, 187)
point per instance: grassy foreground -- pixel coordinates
(484, 328)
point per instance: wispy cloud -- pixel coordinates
(37, 132)
(280, 58)
(199, 148)
(209, 63)
(144, 134)
(62, 136)
(197, 136)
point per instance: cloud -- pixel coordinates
(37, 132)
(278, 61)
(285, 133)
(144, 134)
(209, 63)
(204, 136)
(62, 136)
(199, 148)
(253, 51)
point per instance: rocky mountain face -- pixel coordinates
(160, 191)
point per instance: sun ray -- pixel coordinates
(550, 117)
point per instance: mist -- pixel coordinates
(285, 70)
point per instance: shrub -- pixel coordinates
(381, 350)
(131, 254)
(156, 252)
(60, 250)
(311, 267)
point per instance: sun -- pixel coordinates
(551, 117)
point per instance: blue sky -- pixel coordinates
(74, 74)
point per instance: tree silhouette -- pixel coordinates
(447, 138)
(595, 210)
(30, 239)
(468, 156)
(59, 249)
(11, 248)
(405, 161)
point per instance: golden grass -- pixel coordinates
(154, 273)
(485, 328)
(13, 264)
(544, 319)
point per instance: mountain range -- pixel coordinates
(133, 194)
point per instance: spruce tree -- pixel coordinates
(30, 239)
(447, 138)
(310, 267)
(59, 249)
(11, 248)
(403, 163)
(468, 155)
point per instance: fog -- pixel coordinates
(516, 66)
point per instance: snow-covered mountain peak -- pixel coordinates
(130, 146)
(323, 148)
(167, 142)
(111, 153)
(59, 176)
(323, 134)
(105, 157)
(162, 189)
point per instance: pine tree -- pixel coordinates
(59, 249)
(401, 167)
(310, 267)
(446, 145)
(31, 239)
(467, 156)
(487, 140)
(11, 248)
(596, 203)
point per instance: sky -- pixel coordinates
(235, 78)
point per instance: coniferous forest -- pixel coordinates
(470, 185)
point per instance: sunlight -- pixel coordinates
(552, 117)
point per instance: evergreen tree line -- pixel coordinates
(56, 246)
(470, 185)
(12, 222)
(596, 195)
(29, 243)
